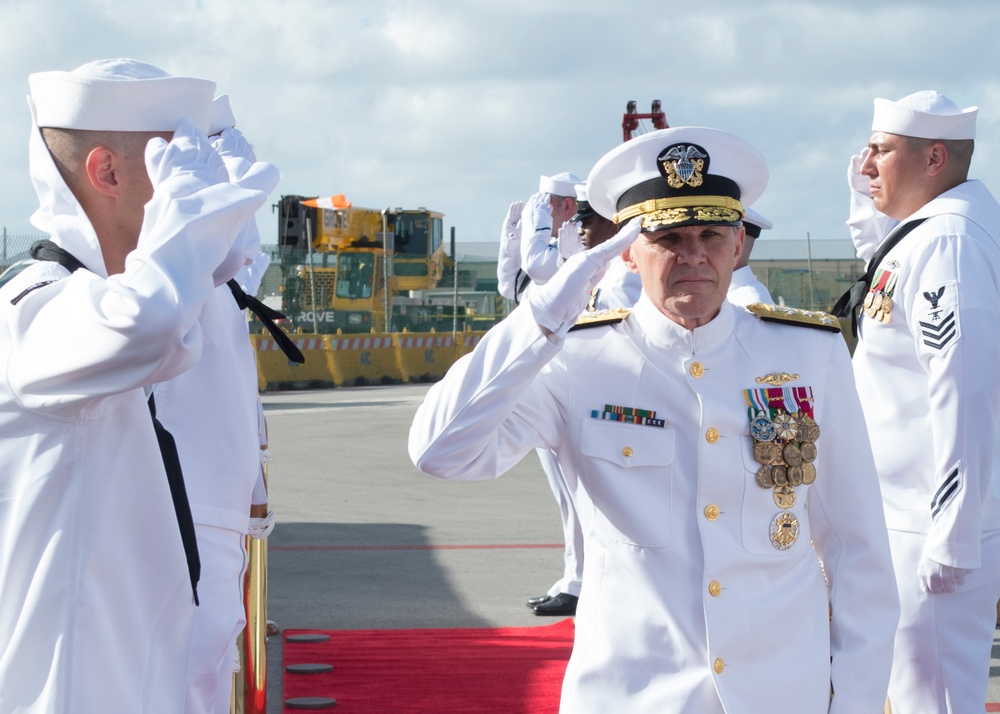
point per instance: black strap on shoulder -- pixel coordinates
(178, 494)
(850, 302)
(40, 250)
(267, 315)
(521, 281)
(47, 250)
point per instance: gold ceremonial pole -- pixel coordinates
(250, 683)
(249, 695)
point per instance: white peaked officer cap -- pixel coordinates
(563, 184)
(119, 95)
(925, 115)
(682, 176)
(222, 115)
(583, 207)
(755, 223)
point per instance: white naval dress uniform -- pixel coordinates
(211, 410)
(687, 606)
(745, 289)
(96, 610)
(931, 394)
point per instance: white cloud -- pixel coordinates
(459, 105)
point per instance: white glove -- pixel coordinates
(855, 179)
(511, 231)
(260, 528)
(537, 216)
(868, 227)
(189, 155)
(192, 195)
(539, 254)
(236, 152)
(557, 304)
(244, 170)
(570, 240)
(937, 578)
(509, 258)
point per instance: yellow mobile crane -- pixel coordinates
(347, 268)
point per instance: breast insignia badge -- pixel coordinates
(776, 379)
(784, 530)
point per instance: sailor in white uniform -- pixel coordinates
(529, 250)
(723, 457)
(925, 366)
(620, 287)
(529, 256)
(212, 412)
(97, 571)
(745, 289)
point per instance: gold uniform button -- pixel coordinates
(714, 588)
(697, 370)
(627, 451)
(712, 435)
(719, 665)
(711, 512)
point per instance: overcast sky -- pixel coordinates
(459, 105)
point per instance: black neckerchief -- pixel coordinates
(267, 316)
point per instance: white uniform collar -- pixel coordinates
(742, 277)
(59, 213)
(961, 200)
(661, 332)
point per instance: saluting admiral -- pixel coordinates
(928, 319)
(721, 452)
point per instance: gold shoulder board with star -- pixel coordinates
(793, 316)
(600, 317)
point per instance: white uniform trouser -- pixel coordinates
(941, 662)
(572, 530)
(219, 620)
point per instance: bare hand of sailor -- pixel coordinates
(557, 304)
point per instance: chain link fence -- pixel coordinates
(14, 247)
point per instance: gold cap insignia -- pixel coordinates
(683, 164)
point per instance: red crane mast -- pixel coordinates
(630, 120)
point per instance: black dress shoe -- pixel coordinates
(532, 601)
(561, 604)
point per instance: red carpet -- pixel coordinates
(446, 671)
